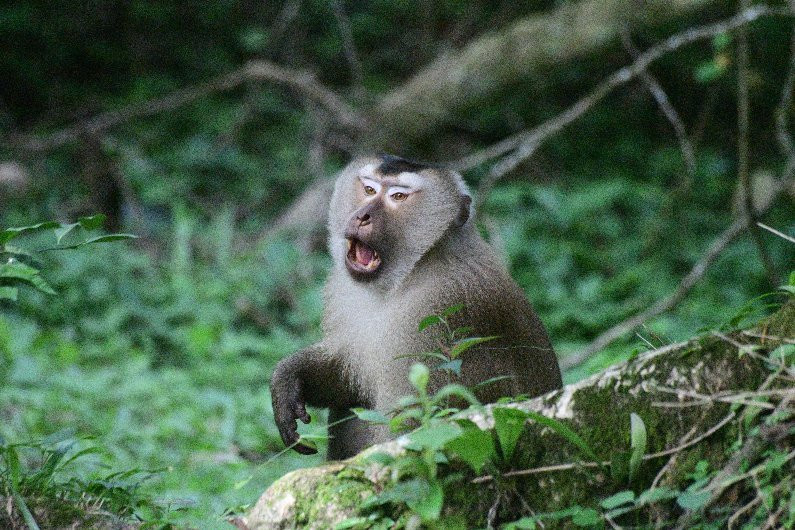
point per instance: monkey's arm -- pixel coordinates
(308, 377)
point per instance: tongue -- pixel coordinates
(364, 254)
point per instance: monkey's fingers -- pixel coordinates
(299, 409)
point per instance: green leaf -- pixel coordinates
(8, 293)
(783, 352)
(721, 41)
(10, 233)
(452, 310)
(620, 498)
(351, 522)
(693, 500)
(435, 436)
(62, 231)
(474, 446)
(509, 425)
(429, 507)
(638, 438)
(370, 416)
(92, 222)
(464, 344)
(525, 523)
(451, 366)
(565, 431)
(418, 375)
(21, 272)
(586, 517)
(382, 458)
(12, 462)
(94, 240)
(455, 390)
(656, 495)
(304, 441)
(430, 320)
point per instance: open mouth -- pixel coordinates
(361, 258)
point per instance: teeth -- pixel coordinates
(350, 243)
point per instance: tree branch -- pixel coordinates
(524, 144)
(260, 71)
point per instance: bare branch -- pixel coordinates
(743, 151)
(262, 71)
(524, 144)
(656, 90)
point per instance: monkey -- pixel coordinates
(404, 246)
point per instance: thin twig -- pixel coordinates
(667, 108)
(302, 82)
(774, 231)
(743, 151)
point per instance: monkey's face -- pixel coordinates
(387, 213)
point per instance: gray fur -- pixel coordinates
(433, 258)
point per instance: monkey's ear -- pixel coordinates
(463, 211)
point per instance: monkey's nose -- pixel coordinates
(364, 220)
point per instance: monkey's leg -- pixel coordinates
(308, 377)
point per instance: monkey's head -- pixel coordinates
(387, 213)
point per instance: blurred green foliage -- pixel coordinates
(162, 349)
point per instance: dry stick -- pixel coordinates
(664, 102)
(526, 141)
(302, 82)
(743, 170)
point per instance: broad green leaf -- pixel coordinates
(429, 507)
(430, 320)
(94, 240)
(10, 233)
(525, 523)
(638, 441)
(783, 352)
(656, 495)
(474, 446)
(614, 501)
(8, 293)
(464, 344)
(693, 500)
(451, 366)
(435, 436)
(382, 458)
(418, 375)
(509, 424)
(63, 230)
(370, 416)
(452, 310)
(586, 517)
(565, 431)
(18, 271)
(92, 222)
(428, 355)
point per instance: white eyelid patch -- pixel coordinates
(410, 181)
(372, 183)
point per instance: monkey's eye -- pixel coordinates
(369, 190)
(399, 196)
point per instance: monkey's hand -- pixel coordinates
(289, 406)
